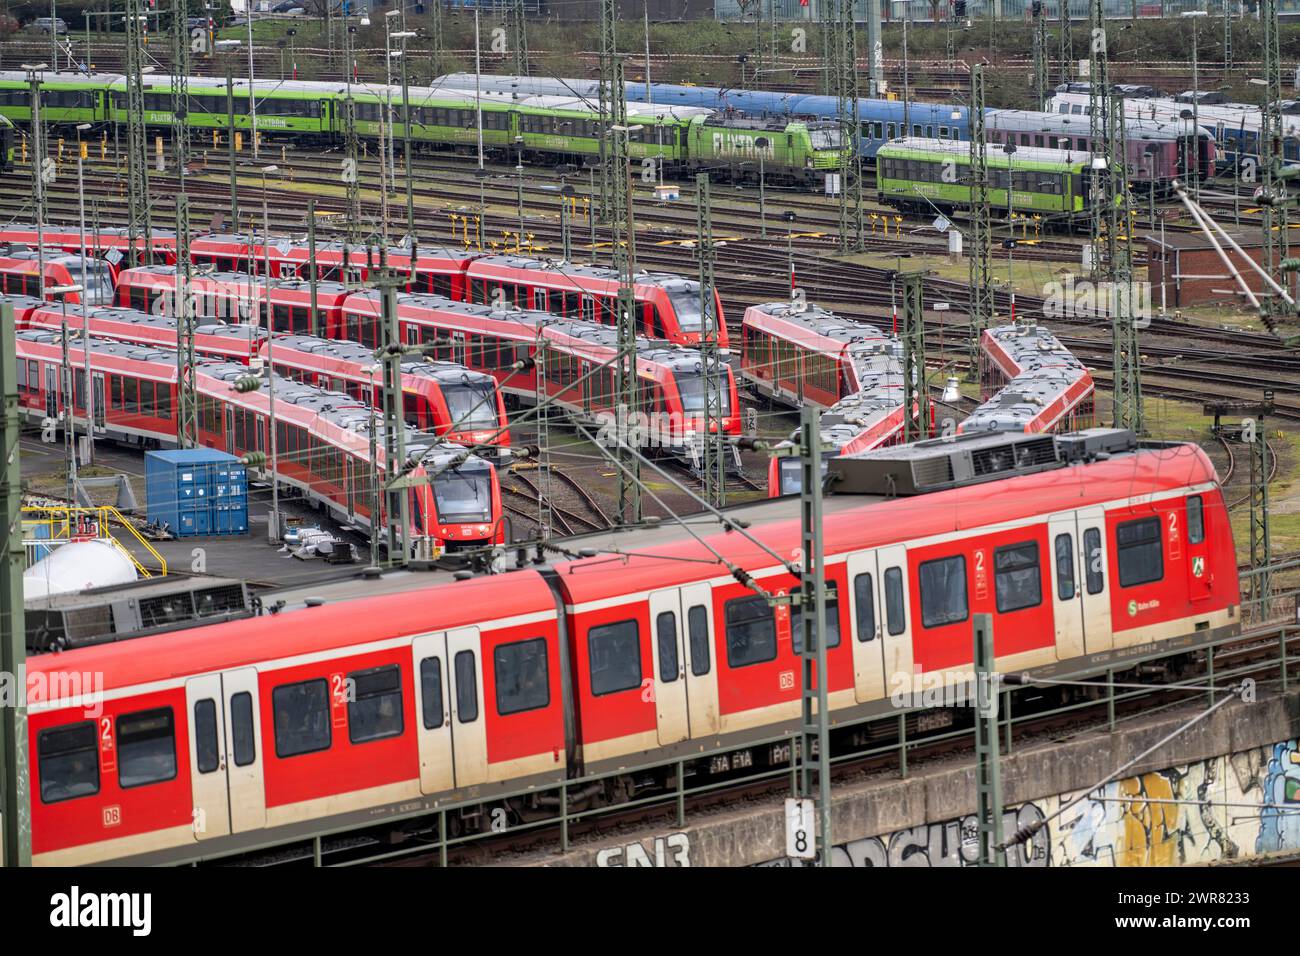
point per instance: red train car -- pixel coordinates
(235, 297)
(579, 372)
(23, 306)
(235, 342)
(108, 245)
(1085, 561)
(322, 437)
(801, 354)
(447, 399)
(669, 305)
(500, 342)
(1030, 383)
(20, 275)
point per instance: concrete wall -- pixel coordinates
(1226, 767)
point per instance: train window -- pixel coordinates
(864, 600)
(751, 631)
(243, 741)
(1017, 579)
(130, 394)
(205, 735)
(895, 603)
(889, 130)
(615, 653)
(302, 717)
(68, 761)
(1137, 547)
(1195, 520)
(163, 400)
(375, 711)
(832, 619)
(942, 583)
(666, 635)
(115, 389)
(146, 747)
(466, 687)
(697, 623)
(521, 675)
(1065, 587)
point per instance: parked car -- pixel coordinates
(49, 25)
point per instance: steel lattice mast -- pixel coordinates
(1098, 129)
(844, 72)
(624, 241)
(1066, 46)
(519, 36)
(606, 106)
(1274, 195)
(137, 156)
(187, 411)
(981, 228)
(713, 460)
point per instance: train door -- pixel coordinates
(701, 675)
(434, 721)
(896, 639)
(101, 416)
(669, 674)
(458, 347)
(207, 738)
(468, 725)
(1066, 584)
(244, 750)
(51, 392)
(230, 430)
(867, 627)
(1098, 633)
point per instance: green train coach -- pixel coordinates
(561, 128)
(921, 175)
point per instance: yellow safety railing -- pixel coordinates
(62, 520)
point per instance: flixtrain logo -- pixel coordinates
(738, 144)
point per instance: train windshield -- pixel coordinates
(464, 495)
(686, 303)
(791, 474)
(824, 138)
(97, 282)
(472, 404)
(690, 385)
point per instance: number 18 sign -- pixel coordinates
(800, 843)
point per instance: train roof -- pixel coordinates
(666, 280)
(667, 354)
(1045, 374)
(995, 153)
(110, 347)
(233, 330)
(1027, 121)
(438, 370)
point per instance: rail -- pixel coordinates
(67, 524)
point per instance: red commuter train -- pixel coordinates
(801, 354)
(20, 275)
(235, 297)
(322, 437)
(1030, 382)
(235, 342)
(214, 739)
(669, 306)
(444, 398)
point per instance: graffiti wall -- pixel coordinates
(1225, 808)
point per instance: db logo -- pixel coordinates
(112, 816)
(787, 680)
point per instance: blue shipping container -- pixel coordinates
(196, 491)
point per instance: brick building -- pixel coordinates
(1186, 269)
